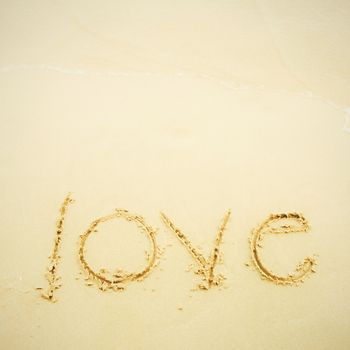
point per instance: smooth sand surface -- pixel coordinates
(190, 108)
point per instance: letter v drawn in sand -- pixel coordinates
(206, 266)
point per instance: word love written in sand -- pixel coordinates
(116, 280)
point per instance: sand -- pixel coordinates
(190, 109)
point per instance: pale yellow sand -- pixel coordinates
(189, 108)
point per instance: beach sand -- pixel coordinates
(187, 108)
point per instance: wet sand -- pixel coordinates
(189, 109)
